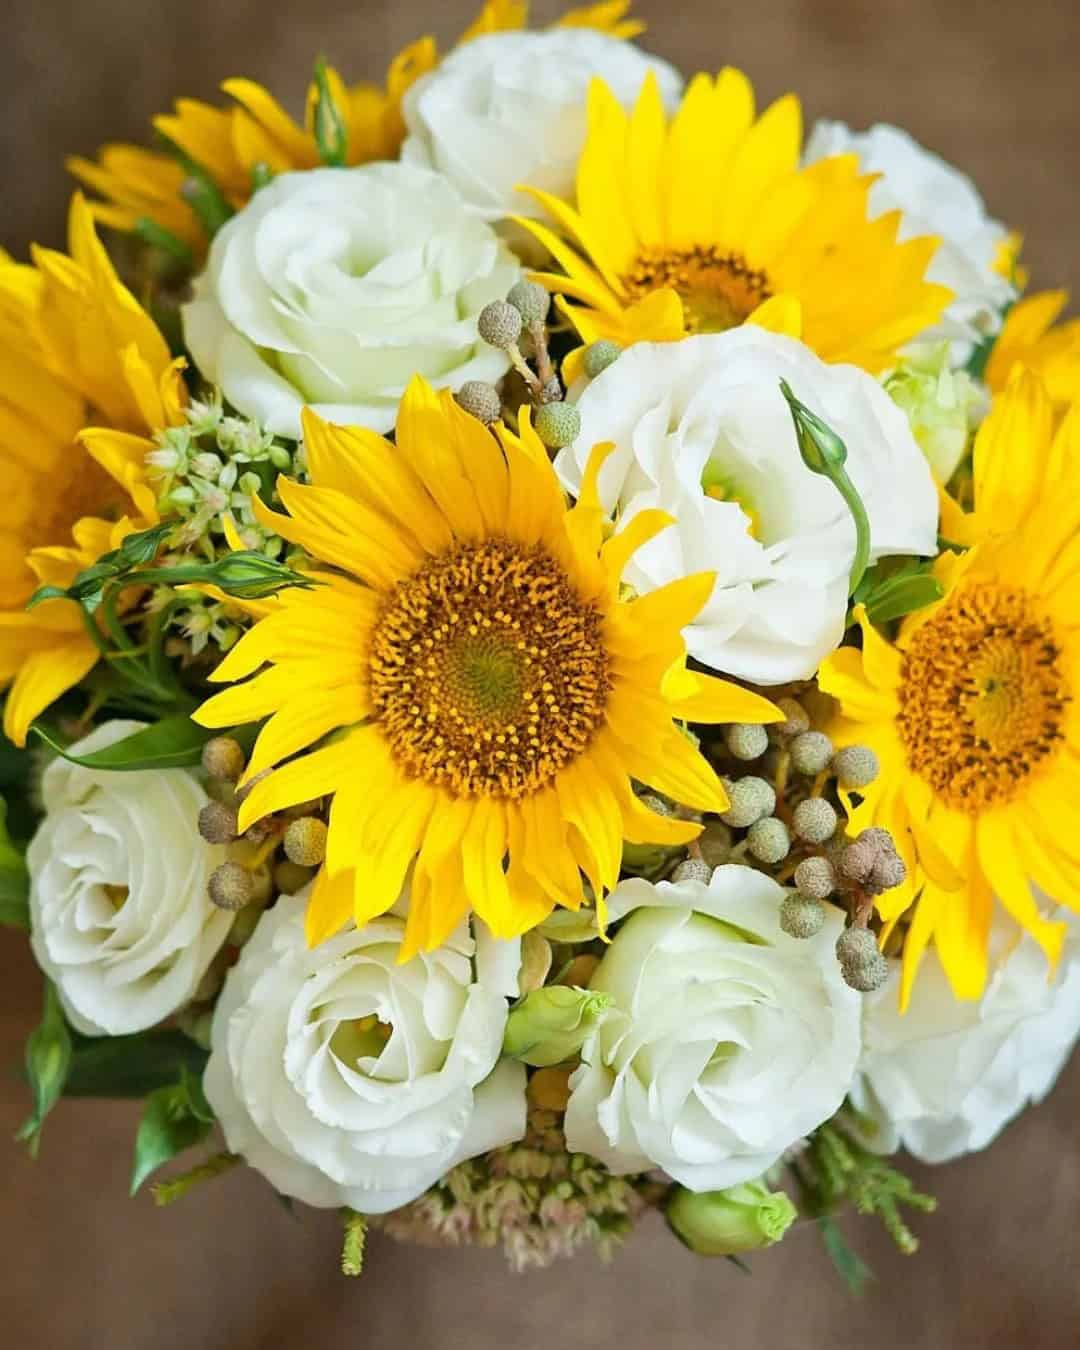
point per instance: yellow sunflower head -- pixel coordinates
(974, 711)
(706, 221)
(481, 693)
(84, 376)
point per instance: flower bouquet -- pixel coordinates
(541, 625)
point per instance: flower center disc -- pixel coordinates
(488, 673)
(982, 698)
(718, 290)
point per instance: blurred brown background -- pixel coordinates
(991, 86)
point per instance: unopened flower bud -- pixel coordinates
(795, 720)
(217, 823)
(289, 877)
(550, 1025)
(768, 840)
(530, 300)
(481, 400)
(815, 878)
(746, 740)
(800, 916)
(857, 861)
(856, 946)
(223, 758)
(693, 869)
(865, 976)
(855, 766)
(715, 841)
(814, 820)
(230, 886)
(660, 805)
(499, 324)
(811, 752)
(878, 838)
(599, 355)
(557, 424)
(305, 841)
(750, 800)
(887, 872)
(743, 1218)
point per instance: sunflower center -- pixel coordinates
(983, 697)
(488, 672)
(717, 288)
(87, 490)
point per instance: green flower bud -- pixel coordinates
(645, 860)
(743, 1218)
(856, 946)
(550, 1025)
(499, 324)
(800, 916)
(716, 839)
(693, 869)
(814, 820)
(811, 752)
(746, 740)
(795, 720)
(600, 355)
(305, 841)
(217, 823)
(938, 404)
(222, 757)
(557, 424)
(768, 840)
(481, 400)
(231, 886)
(751, 799)
(815, 878)
(855, 766)
(531, 301)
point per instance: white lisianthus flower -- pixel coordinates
(333, 288)
(119, 913)
(944, 1078)
(726, 1041)
(702, 431)
(935, 199)
(348, 1079)
(511, 108)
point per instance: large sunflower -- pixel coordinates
(974, 712)
(708, 222)
(85, 376)
(486, 692)
(254, 131)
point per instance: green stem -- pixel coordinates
(854, 503)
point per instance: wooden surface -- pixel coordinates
(990, 85)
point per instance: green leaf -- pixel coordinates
(142, 546)
(47, 593)
(48, 1059)
(173, 743)
(132, 1066)
(168, 1127)
(894, 587)
(14, 880)
(855, 1273)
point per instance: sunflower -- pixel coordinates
(974, 712)
(255, 131)
(84, 377)
(1029, 337)
(485, 691)
(708, 222)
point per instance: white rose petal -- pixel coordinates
(944, 1078)
(727, 1041)
(935, 199)
(120, 918)
(332, 288)
(713, 403)
(511, 108)
(335, 1114)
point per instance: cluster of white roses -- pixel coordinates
(350, 1079)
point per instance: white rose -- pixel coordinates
(511, 108)
(935, 199)
(348, 1079)
(120, 918)
(333, 288)
(702, 431)
(727, 1040)
(946, 1077)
